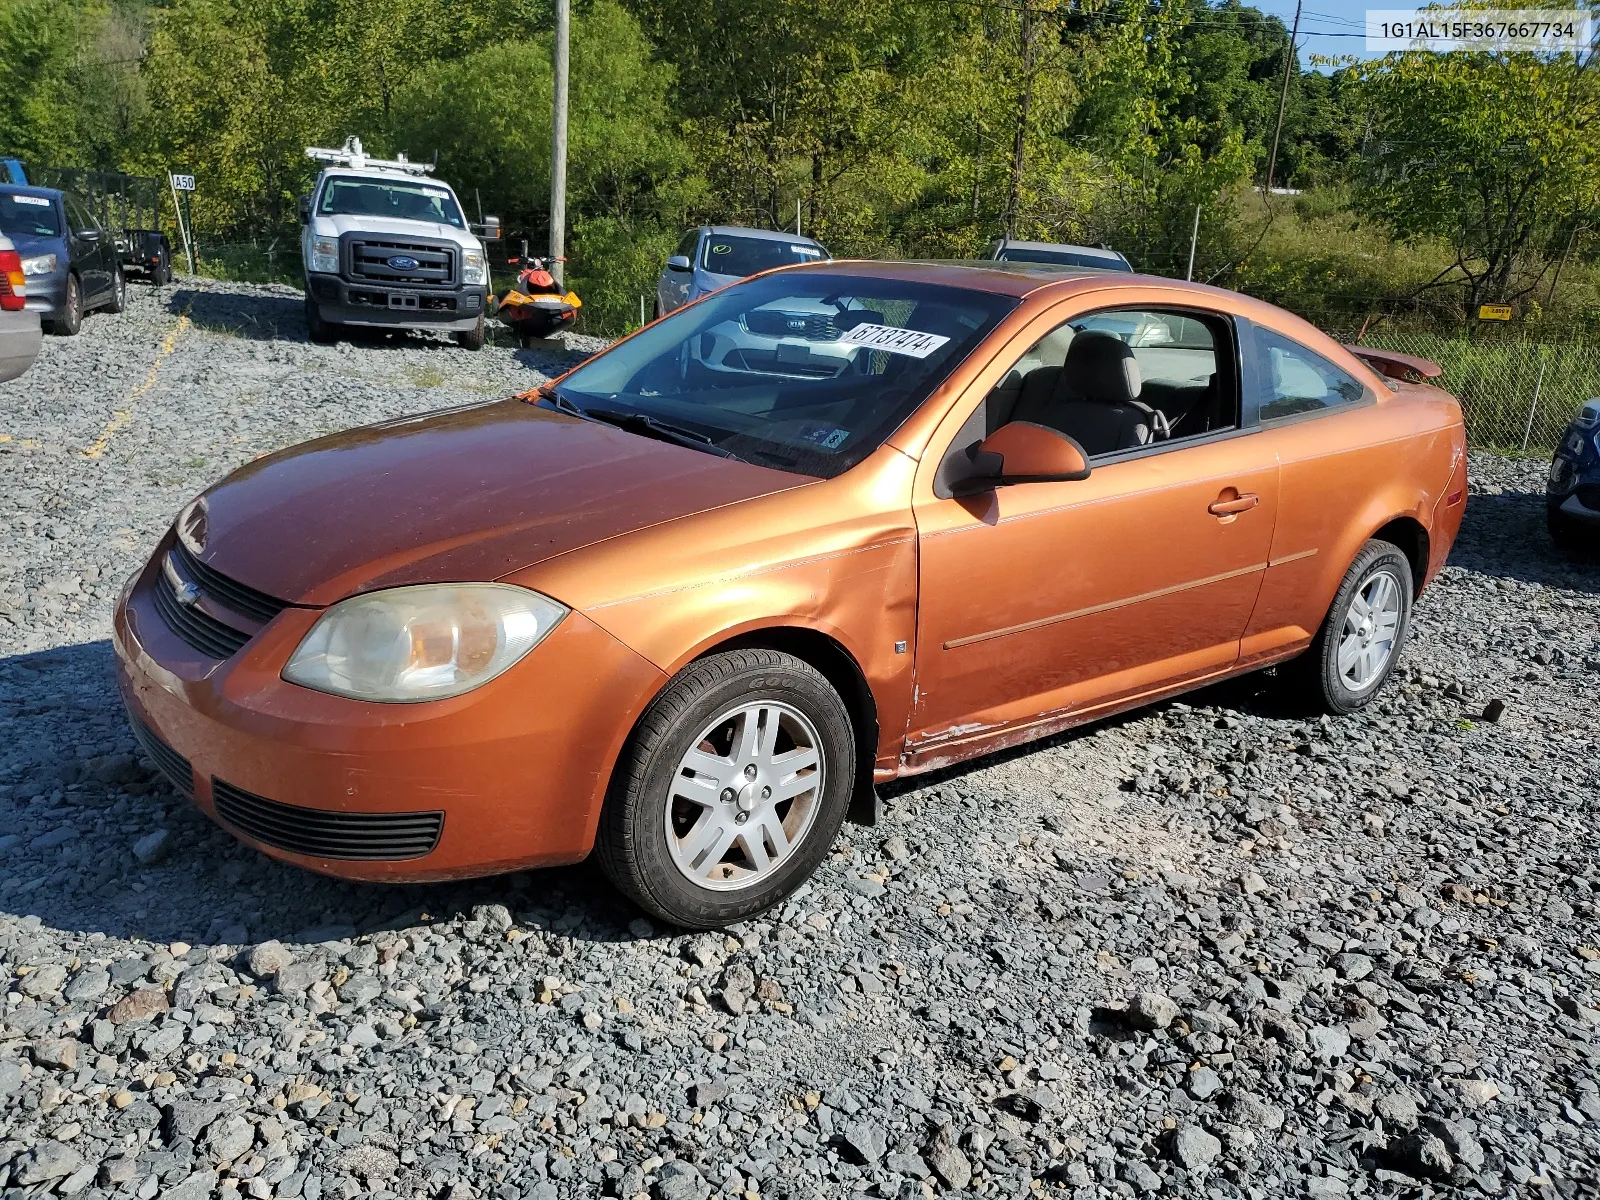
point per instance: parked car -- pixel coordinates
(1054, 254)
(19, 328)
(714, 256)
(385, 244)
(685, 605)
(1573, 492)
(69, 261)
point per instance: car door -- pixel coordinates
(1041, 603)
(672, 289)
(87, 251)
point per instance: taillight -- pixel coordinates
(11, 282)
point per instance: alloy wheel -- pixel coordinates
(745, 795)
(1371, 628)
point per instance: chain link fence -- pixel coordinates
(1515, 394)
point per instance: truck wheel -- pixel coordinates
(71, 318)
(163, 271)
(119, 292)
(320, 331)
(472, 339)
(730, 791)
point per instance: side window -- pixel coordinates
(77, 219)
(1296, 380)
(687, 245)
(1124, 378)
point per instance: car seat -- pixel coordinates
(1093, 396)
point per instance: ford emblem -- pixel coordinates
(404, 262)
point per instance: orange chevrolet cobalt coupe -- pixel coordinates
(832, 525)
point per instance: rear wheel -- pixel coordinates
(119, 292)
(473, 339)
(1360, 641)
(730, 791)
(163, 271)
(318, 329)
(70, 319)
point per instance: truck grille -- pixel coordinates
(325, 834)
(374, 261)
(198, 628)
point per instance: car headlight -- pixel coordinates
(472, 267)
(325, 255)
(39, 264)
(421, 643)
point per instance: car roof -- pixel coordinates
(766, 235)
(1098, 251)
(1002, 278)
(379, 175)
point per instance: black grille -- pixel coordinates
(201, 630)
(168, 761)
(370, 260)
(324, 834)
(815, 327)
(229, 593)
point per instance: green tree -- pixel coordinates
(1494, 153)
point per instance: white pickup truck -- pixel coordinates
(384, 244)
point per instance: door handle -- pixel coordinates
(1234, 505)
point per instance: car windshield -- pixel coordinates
(28, 216)
(400, 201)
(1061, 258)
(727, 254)
(803, 371)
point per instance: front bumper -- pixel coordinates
(342, 302)
(1573, 488)
(46, 294)
(19, 342)
(518, 768)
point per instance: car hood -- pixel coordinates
(343, 224)
(28, 244)
(464, 494)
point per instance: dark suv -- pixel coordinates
(69, 263)
(1573, 493)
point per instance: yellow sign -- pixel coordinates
(1494, 312)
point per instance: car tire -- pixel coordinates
(318, 330)
(1365, 631)
(1564, 531)
(164, 271)
(71, 318)
(119, 292)
(656, 840)
(473, 339)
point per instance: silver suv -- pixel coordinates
(714, 256)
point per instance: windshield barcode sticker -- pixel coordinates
(36, 201)
(911, 342)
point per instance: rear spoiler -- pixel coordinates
(1394, 365)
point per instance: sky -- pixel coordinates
(1329, 27)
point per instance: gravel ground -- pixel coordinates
(1214, 949)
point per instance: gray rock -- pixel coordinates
(1194, 1148)
(371, 1163)
(946, 1159)
(268, 958)
(47, 1160)
(1152, 1010)
(88, 985)
(197, 1186)
(866, 1140)
(1203, 1083)
(152, 847)
(678, 1180)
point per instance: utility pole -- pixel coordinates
(1283, 97)
(1194, 240)
(558, 146)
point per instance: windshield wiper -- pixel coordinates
(642, 423)
(560, 402)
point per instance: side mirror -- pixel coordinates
(490, 229)
(305, 210)
(679, 262)
(89, 235)
(1022, 452)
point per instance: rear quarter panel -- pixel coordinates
(1345, 476)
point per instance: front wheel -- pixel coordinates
(472, 339)
(1360, 641)
(70, 319)
(318, 329)
(119, 292)
(730, 790)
